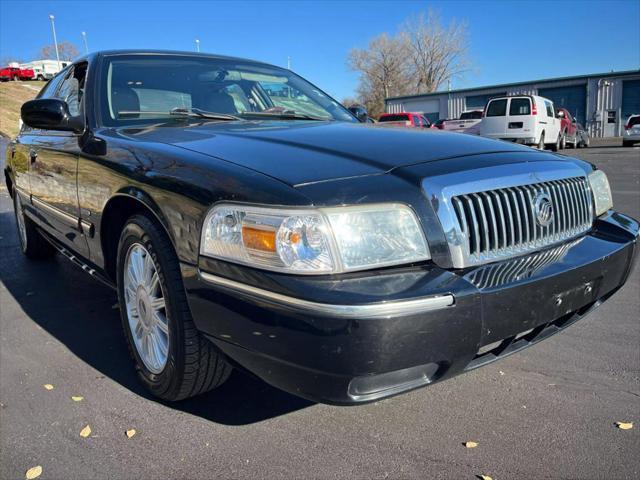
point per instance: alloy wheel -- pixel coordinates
(146, 308)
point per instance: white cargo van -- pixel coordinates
(45, 69)
(526, 119)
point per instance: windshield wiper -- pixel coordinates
(182, 112)
(285, 116)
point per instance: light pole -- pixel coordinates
(84, 39)
(55, 40)
(197, 44)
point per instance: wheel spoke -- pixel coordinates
(154, 284)
(148, 269)
(161, 322)
(163, 344)
(157, 303)
(138, 330)
(156, 348)
(138, 266)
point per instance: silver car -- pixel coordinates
(631, 131)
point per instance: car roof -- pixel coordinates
(109, 53)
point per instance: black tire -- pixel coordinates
(556, 146)
(541, 142)
(32, 243)
(563, 141)
(575, 142)
(193, 364)
(627, 144)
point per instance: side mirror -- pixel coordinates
(50, 114)
(360, 113)
(560, 114)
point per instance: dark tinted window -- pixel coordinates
(476, 114)
(520, 106)
(634, 121)
(52, 85)
(497, 108)
(399, 117)
(549, 107)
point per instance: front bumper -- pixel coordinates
(360, 337)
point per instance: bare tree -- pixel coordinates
(436, 54)
(348, 101)
(66, 50)
(419, 60)
(383, 71)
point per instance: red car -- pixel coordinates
(405, 119)
(15, 73)
(568, 128)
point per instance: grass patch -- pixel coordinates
(12, 96)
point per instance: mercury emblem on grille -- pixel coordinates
(543, 208)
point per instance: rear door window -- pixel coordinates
(497, 108)
(549, 107)
(394, 118)
(520, 106)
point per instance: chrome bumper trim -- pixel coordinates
(375, 310)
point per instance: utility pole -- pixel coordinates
(197, 44)
(55, 40)
(84, 39)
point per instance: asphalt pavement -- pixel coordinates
(547, 412)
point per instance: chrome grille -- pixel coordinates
(502, 222)
(518, 269)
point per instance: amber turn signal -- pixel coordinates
(258, 239)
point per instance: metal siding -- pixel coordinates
(573, 98)
(599, 98)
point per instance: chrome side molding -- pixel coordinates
(373, 310)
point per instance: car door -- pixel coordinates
(53, 167)
(494, 124)
(519, 121)
(552, 126)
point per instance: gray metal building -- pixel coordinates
(602, 101)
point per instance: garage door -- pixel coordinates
(572, 98)
(630, 98)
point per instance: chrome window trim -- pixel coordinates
(441, 189)
(372, 310)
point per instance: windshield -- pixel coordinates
(151, 88)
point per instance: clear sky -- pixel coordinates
(508, 40)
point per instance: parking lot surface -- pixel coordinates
(547, 412)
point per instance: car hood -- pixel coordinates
(303, 152)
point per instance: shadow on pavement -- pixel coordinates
(82, 314)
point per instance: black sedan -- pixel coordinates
(247, 220)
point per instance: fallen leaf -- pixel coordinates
(48, 386)
(85, 432)
(624, 425)
(33, 472)
(77, 399)
(131, 433)
(470, 444)
(484, 477)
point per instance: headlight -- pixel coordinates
(602, 198)
(325, 240)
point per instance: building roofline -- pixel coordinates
(515, 84)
